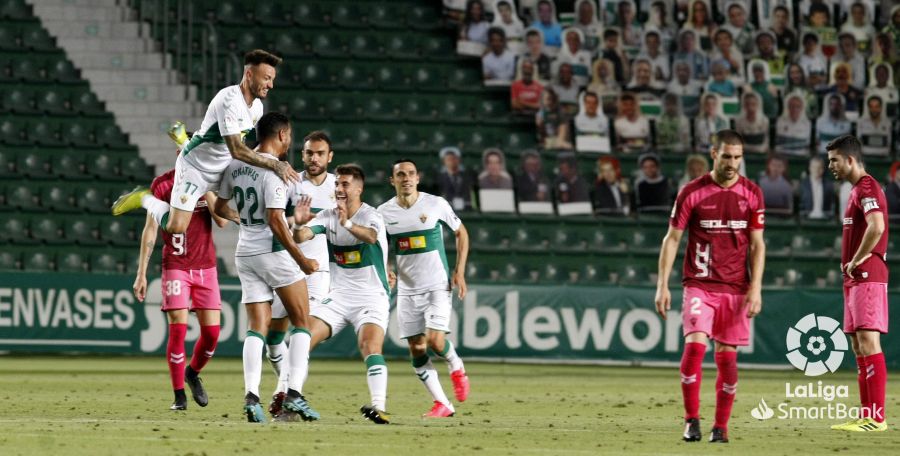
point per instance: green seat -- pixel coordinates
(306, 105)
(398, 46)
(88, 104)
(92, 199)
(355, 77)
(46, 132)
(54, 103)
(106, 263)
(367, 139)
(289, 45)
(83, 231)
(58, 197)
(34, 165)
(381, 108)
(111, 136)
(366, 46)
(428, 79)
(328, 45)
(230, 13)
(25, 197)
(465, 80)
(9, 41)
(61, 70)
(270, 13)
(28, 69)
(105, 166)
(349, 16)
(317, 76)
(70, 166)
(440, 48)
(12, 132)
(407, 140)
(594, 274)
(37, 260)
(119, 232)
(308, 14)
(18, 100)
(423, 17)
(39, 40)
(136, 169)
(80, 133)
(633, 275)
(15, 9)
(516, 141)
(456, 110)
(71, 262)
(493, 111)
(606, 241)
(47, 230)
(10, 260)
(15, 230)
(392, 78)
(387, 16)
(418, 109)
(7, 164)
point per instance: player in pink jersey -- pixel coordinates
(863, 250)
(189, 274)
(724, 215)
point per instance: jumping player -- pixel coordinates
(360, 296)
(189, 274)
(863, 249)
(414, 222)
(267, 260)
(231, 116)
(725, 216)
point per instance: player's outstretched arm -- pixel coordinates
(148, 241)
(363, 233)
(462, 256)
(211, 203)
(240, 151)
(221, 209)
(281, 231)
(667, 253)
(753, 300)
(873, 233)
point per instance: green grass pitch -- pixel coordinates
(118, 405)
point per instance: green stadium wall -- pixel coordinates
(91, 313)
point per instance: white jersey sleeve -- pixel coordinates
(229, 115)
(320, 223)
(447, 215)
(275, 194)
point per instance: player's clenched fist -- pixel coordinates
(309, 266)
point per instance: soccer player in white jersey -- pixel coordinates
(316, 184)
(414, 221)
(231, 116)
(267, 260)
(359, 295)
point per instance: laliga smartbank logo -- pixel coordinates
(816, 346)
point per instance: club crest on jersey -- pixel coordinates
(409, 243)
(352, 257)
(184, 199)
(742, 205)
(423, 218)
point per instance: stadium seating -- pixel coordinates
(62, 158)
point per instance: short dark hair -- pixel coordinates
(403, 160)
(591, 94)
(782, 8)
(726, 136)
(846, 145)
(351, 169)
(318, 135)
(270, 124)
(819, 8)
(532, 32)
(496, 31)
(810, 37)
(258, 56)
(875, 98)
(610, 33)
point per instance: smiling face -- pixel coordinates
(795, 108)
(710, 106)
(534, 44)
(642, 73)
(736, 16)
(650, 168)
(493, 164)
(590, 105)
(505, 12)
(573, 41)
(261, 78)
(405, 178)
(607, 172)
(874, 105)
(795, 74)
(347, 190)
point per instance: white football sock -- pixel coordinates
(253, 353)
(428, 375)
(377, 378)
(156, 207)
(454, 362)
(299, 359)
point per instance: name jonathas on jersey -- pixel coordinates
(245, 171)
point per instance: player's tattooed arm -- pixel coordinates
(458, 280)
(240, 151)
(667, 254)
(753, 300)
(211, 203)
(282, 233)
(148, 241)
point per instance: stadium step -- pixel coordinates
(161, 77)
(80, 29)
(93, 10)
(119, 61)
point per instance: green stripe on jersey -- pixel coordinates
(415, 242)
(212, 135)
(359, 256)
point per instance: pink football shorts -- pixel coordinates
(199, 286)
(866, 307)
(721, 316)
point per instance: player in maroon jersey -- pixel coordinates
(863, 249)
(724, 215)
(188, 274)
